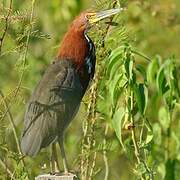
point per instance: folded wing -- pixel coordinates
(53, 104)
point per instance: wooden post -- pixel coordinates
(56, 177)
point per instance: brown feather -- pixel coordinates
(74, 45)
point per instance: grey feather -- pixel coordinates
(53, 104)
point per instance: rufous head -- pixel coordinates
(74, 45)
(87, 19)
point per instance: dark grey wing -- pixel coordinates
(52, 106)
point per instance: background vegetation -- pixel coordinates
(128, 124)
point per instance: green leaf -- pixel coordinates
(142, 70)
(152, 70)
(149, 137)
(172, 76)
(117, 52)
(170, 170)
(157, 134)
(141, 96)
(140, 169)
(161, 82)
(164, 118)
(128, 64)
(117, 124)
(161, 169)
(113, 87)
(148, 124)
(115, 60)
(115, 70)
(175, 80)
(175, 137)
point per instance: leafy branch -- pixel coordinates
(89, 141)
(11, 120)
(7, 169)
(6, 25)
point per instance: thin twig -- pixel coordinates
(141, 54)
(88, 141)
(7, 169)
(142, 131)
(27, 47)
(24, 58)
(105, 154)
(134, 139)
(136, 147)
(93, 166)
(6, 26)
(11, 120)
(115, 2)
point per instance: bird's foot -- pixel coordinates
(54, 173)
(55, 168)
(69, 174)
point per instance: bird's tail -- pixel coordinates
(31, 143)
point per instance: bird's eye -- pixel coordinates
(87, 18)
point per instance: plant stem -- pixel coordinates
(16, 90)
(24, 59)
(6, 26)
(135, 141)
(7, 169)
(105, 154)
(141, 55)
(11, 120)
(142, 131)
(88, 141)
(93, 166)
(133, 133)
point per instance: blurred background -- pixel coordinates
(30, 35)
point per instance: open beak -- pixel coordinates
(97, 16)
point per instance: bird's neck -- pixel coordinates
(74, 47)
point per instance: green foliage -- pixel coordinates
(128, 90)
(141, 96)
(117, 123)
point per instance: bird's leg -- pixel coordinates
(57, 167)
(54, 160)
(61, 144)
